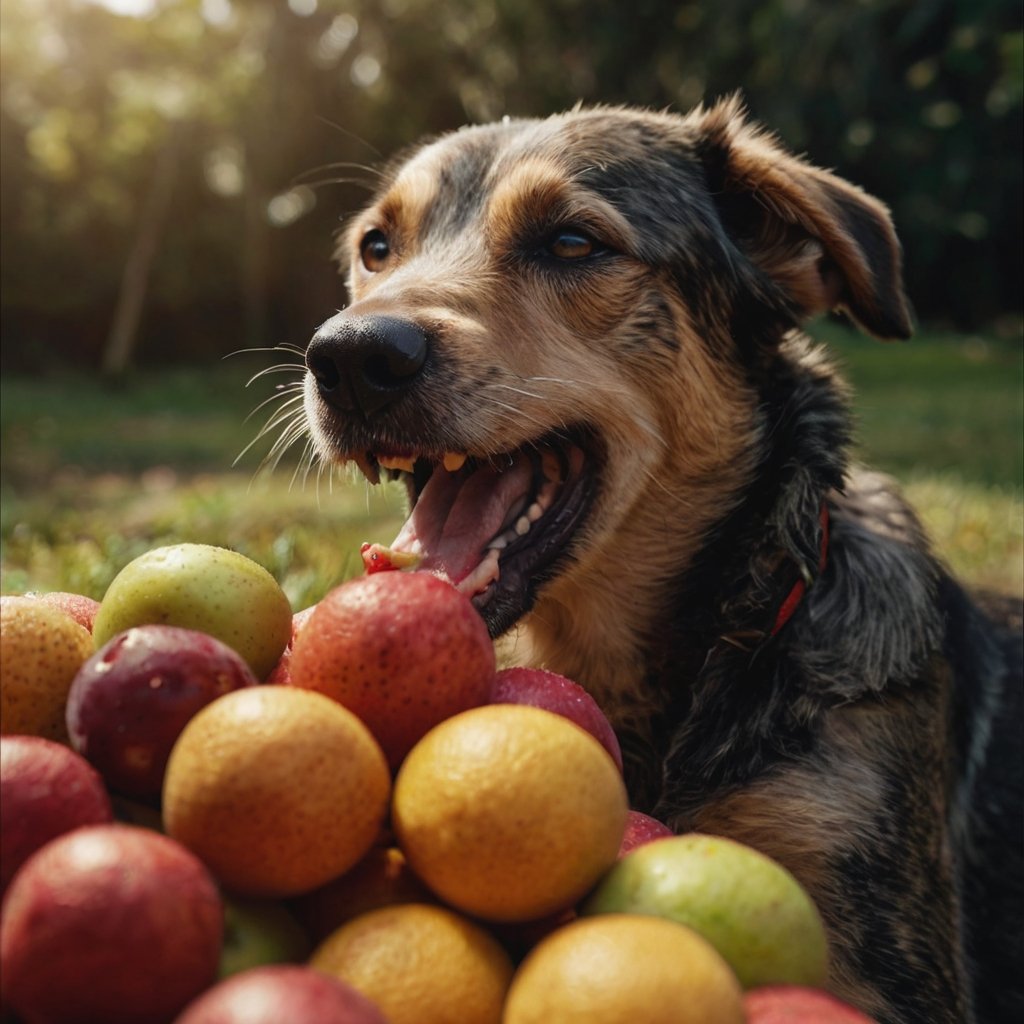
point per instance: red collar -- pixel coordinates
(796, 594)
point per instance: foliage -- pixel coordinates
(262, 106)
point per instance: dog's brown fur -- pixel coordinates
(865, 746)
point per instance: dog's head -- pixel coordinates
(554, 336)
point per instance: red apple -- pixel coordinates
(81, 608)
(548, 690)
(402, 650)
(280, 993)
(281, 674)
(132, 698)
(45, 790)
(109, 923)
(642, 828)
(793, 1004)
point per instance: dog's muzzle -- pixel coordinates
(362, 364)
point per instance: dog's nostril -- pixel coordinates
(366, 362)
(324, 371)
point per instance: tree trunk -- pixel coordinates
(124, 331)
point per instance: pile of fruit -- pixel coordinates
(217, 812)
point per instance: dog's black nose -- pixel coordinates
(364, 363)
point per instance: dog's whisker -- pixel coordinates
(286, 396)
(276, 368)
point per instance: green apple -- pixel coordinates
(749, 907)
(259, 932)
(210, 589)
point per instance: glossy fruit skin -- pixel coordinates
(509, 812)
(792, 1004)
(109, 923)
(750, 908)
(129, 702)
(81, 608)
(46, 789)
(199, 586)
(421, 963)
(624, 969)
(640, 829)
(543, 689)
(41, 649)
(278, 995)
(277, 789)
(403, 650)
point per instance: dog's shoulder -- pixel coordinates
(873, 619)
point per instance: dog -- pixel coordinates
(577, 340)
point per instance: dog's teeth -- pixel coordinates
(454, 461)
(534, 512)
(522, 526)
(400, 462)
(551, 466)
(366, 467)
(546, 495)
(498, 544)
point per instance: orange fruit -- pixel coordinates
(41, 650)
(621, 969)
(509, 812)
(421, 964)
(277, 790)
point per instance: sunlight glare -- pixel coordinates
(127, 8)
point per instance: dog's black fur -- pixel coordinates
(610, 279)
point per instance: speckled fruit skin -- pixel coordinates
(276, 789)
(281, 993)
(81, 608)
(640, 829)
(199, 586)
(749, 907)
(791, 1004)
(543, 689)
(41, 649)
(109, 923)
(129, 701)
(402, 650)
(46, 789)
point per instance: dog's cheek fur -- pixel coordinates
(658, 501)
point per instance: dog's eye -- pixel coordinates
(571, 245)
(374, 250)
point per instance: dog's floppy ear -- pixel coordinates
(826, 243)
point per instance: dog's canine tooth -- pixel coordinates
(551, 466)
(367, 467)
(454, 461)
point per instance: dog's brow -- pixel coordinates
(409, 199)
(538, 192)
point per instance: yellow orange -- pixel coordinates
(509, 812)
(421, 964)
(622, 969)
(41, 650)
(277, 789)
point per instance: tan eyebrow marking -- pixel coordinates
(537, 193)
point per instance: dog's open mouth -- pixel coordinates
(497, 526)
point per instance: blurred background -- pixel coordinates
(173, 174)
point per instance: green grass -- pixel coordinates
(93, 476)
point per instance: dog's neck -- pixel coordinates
(726, 605)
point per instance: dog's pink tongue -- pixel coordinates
(457, 514)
